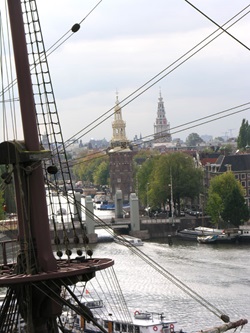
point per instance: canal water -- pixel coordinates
(219, 273)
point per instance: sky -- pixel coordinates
(122, 44)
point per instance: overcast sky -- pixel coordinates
(124, 43)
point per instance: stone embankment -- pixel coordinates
(149, 228)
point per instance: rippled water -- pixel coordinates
(219, 273)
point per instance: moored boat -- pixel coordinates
(193, 233)
(210, 239)
(227, 236)
(128, 240)
(244, 234)
(139, 321)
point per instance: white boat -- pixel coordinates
(210, 239)
(139, 321)
(193, 233)
(227, 236)
(244, 233)
(128, 240)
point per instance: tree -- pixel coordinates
(156, 175)
(231, 206)
(193, 140)
(226, 149)
(236, 210)
(143, 178)
(244, 135)
(101, 173)
(214, 207)
(86, 168)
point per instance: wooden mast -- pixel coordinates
(36, 214)
(34, 282)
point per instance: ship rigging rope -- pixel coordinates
(4, 50)
(106, 288)
(169, 276)
(161, 270)
(97, 154)
(64, 38)
(142, 89)
(220, 27)
(51, 49)
(47, 117)
(112, 282)
(8, 317)
(112, 295)
(53, 294)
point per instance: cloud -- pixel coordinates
(123, 44)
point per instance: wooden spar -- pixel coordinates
(225, 327)
(35, 218)
(36, 278)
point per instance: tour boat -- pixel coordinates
(138, 322)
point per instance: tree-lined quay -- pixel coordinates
(172, 181)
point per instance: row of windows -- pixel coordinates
(242, 175)
(124, 327)
(245, 184)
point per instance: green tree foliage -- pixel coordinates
(88, 167)
(154, 179)
(101, 173)
(214, 207)
(244, 135)
(193, 140)
(143, 155)
(142, 178)
(236, 210)
(226, 149)
(226, 196)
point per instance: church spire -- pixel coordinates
(161, 126)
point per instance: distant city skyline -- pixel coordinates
(120, 47)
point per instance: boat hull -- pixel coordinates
(192, 234)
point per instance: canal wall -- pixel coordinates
(149, 228)
(163, 228)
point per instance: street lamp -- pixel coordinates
(171, 198)
(147, 199)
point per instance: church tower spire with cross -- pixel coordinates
(161, 126)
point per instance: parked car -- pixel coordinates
(182, 213)
(162, 214)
